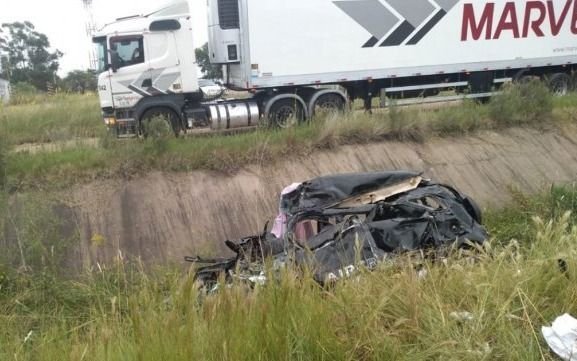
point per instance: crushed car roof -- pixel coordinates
(331, 190)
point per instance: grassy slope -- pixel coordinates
(125, 313)
(113, 158)
(122, 313)
(60, 118)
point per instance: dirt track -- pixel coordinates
(34, 148)
(163, 217)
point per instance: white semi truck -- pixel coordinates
(294, 57)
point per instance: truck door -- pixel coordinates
(163, 59)
(130, 70)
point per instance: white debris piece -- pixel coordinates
(562, 337)
(28, 336)
(462, 316)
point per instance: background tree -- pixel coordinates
(28, 54)
(80, 81)
(3, 57)
(210, 71)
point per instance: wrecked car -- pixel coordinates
(332, 225)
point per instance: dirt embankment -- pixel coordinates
(163, 217)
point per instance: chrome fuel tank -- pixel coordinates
(233, 115)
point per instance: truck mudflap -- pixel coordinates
(353, 230)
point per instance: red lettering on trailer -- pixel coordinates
(486, 22)
(557, 25)
(534, 24)
(477, 25)
(508, 21)
(574, 20)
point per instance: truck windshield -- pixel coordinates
(101, 54)
(127, 50)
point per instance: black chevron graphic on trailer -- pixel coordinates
(372, 42)
(427, 28)
(399, 35)
(400, 19)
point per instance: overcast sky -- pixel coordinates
(64, 22)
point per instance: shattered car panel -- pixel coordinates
(356, 220)
(327, 192)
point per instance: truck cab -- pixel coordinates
(143, 66)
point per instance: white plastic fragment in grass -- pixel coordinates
(28, 336)
(562, 337)
(462, 316)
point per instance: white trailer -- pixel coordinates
(296, 56)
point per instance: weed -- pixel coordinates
(59, 118)
(25, 93)
(528, 103)
(124, 312)
(3, 160)
(405, 124)
(158, 131)
(515, 221)
(464, 119)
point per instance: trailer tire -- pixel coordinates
(172, 119)
(560, 84)
(286, 113)
(522, 76)
(330, 102)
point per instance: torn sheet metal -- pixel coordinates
(333, 225)
(329, 191)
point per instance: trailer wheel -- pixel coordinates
(171, 119)
(329, 103)
(560, 84)
(286, 113)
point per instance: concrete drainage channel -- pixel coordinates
(162, 216)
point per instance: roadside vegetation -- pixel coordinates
(82, 150)
(39, 118)
(487, 304)
(484, 304)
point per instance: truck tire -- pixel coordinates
(286, 113)
(171, 118)
(329, 103)
(522, 77)
(560, 84)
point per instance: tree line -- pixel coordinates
(29, 63)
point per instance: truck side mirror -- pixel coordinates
(114, 60)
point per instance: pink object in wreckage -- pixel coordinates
(303, 230)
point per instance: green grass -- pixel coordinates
(516, 220)
(123, 312)
(77, 116)
(567, 101)
(60, 118)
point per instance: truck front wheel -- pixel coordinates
(286, 113)
(156, 121)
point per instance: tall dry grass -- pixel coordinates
(487, 304)
(57, 118)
